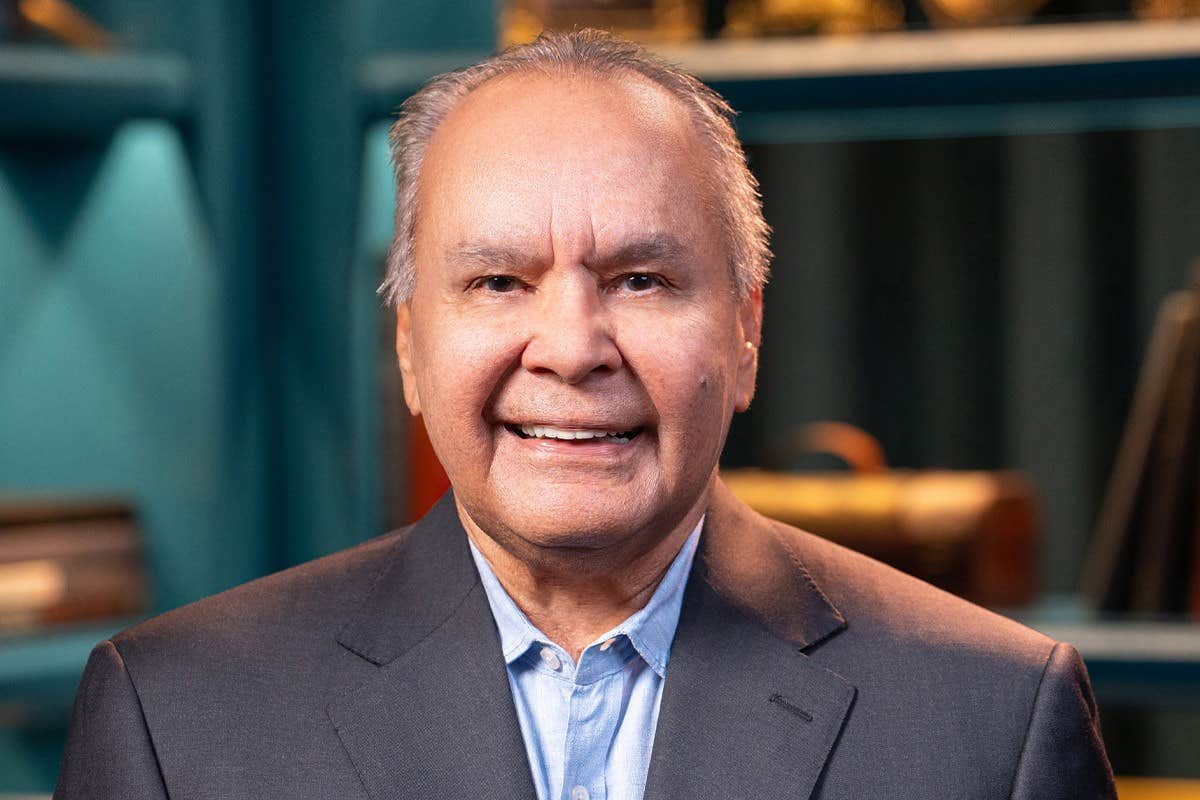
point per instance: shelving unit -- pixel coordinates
(48, 91)
(276, 138)
(124, 362)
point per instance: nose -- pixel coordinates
(571, 336)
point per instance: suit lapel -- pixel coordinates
(745, 713)
(437, 718)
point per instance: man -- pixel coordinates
(590, 614)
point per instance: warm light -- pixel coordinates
(66, 22)
(31, 585)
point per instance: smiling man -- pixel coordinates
(578, 271)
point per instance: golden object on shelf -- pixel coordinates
(65, 22)
(1166, 9)
(970, 13)
(861, 451)
(790, 17)
(644, 20)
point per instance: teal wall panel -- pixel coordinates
(110, 351)
(324, 337)
(370, 323)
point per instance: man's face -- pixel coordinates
(574, 343)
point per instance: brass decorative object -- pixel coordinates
(66, 23)
(1166, 9)
(644, 20)
(974, 13)
(791, 17)
(972, 533)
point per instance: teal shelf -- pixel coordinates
(1133, 661)
(1138, 664)
(47, 91)
(39, 673)
(384, 81)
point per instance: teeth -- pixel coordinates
(548, 432)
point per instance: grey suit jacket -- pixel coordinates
(799, 670)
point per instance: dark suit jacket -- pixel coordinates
(799, 669)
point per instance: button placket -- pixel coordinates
(593, 716)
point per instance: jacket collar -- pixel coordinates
(423, 582)
(751, 562)
(437, 718)
(743, 557)
(744, 711)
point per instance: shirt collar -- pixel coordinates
(651, 629)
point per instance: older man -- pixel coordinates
(578, 270)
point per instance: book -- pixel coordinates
(1145, 552)
(68, 560)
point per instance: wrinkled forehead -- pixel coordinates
(526, 147)
(564, 118)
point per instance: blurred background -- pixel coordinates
(981, 355)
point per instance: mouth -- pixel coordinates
(578, 435)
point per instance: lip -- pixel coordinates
(603, 449)
(575, 424)
(583, 434)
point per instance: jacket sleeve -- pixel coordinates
(1063, 755)
(109, 753)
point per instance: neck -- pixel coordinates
(571, 601)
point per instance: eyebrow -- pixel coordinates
(474, 256)
(655, 247)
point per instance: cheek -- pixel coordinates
(689, 374)
(459, 362)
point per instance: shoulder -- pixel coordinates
(865, 612)
(905, 618)
(287, 610)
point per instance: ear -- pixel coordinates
(404, 357)
(750, 327)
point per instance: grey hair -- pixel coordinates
(603, 55)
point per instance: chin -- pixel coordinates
(589, 516)
(590, 522)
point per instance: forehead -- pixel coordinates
(555, 103)
(528, 148)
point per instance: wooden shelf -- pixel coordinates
(47, 91)
(924, 84)
(939, 51)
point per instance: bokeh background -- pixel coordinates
(979, 209)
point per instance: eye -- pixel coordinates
(499, 283)
(639, 282)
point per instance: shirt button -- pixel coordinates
(551, 661)
(579, 793)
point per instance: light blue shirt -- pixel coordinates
(588, 728)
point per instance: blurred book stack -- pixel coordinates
(1145, 553)
(69, 560)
